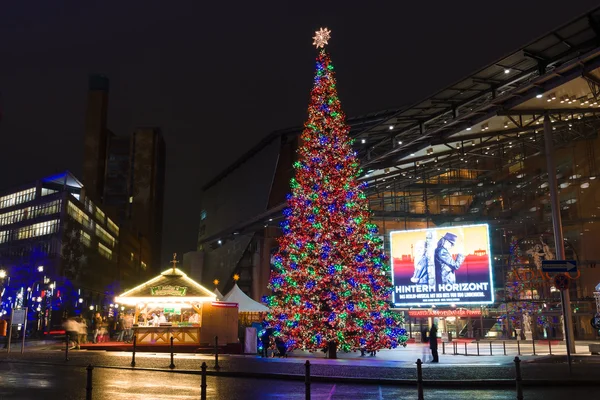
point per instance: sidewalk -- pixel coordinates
(389, 367)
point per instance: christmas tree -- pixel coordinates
(331, 282)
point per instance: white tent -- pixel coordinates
(219, 294)
(245, 303)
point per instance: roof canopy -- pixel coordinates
(172, 286)
(245, 303)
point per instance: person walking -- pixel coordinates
(120, 328)
(97, 327)
(424, 345)
(128, 326)
(433, 344)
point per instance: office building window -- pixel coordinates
(23, 214)
(112, 226)
(104, 251)
(202, 215)
(102, 233)
(46, 191)
(144, 266)
(17, 198)
(99, 214)
(4, 235)
(85, 238)
(35, 230)
(78, 215)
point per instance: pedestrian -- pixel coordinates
(72, 332)
(128, 325)
(97, 327)
(82, 330)
(265, 341)
(281, 347)
(424, 345)
(120, 328)
(433, 344)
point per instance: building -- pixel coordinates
(126, 174)
(57, 244)
(473, 152)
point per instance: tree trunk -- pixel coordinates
(333, 349)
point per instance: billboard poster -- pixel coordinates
(450, 265)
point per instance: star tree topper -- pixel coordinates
(321, 37)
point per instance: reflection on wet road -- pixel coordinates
(34, 381)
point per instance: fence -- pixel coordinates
(420, 383)
(504, 348)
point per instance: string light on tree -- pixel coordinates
(331, 282)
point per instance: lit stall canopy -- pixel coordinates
(249, 310)
(172, 289)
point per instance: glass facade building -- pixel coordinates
(473, 153)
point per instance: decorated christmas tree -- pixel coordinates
(330, 282)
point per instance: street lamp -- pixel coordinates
(41, 268)
(2, 274)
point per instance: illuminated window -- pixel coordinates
(46, 191)
(78, 215)
(100, 214)
(85, 238)
(104, 251)
(4, 235)
(26, 213)
(112, 226)
(144, 266)
(202, 215)
(132, 257)
(17, 198)
(130, 199)
(102, 233)
(35, 230)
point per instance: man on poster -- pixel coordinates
(445, 264)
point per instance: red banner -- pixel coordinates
(444, 313)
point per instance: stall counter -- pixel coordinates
(161, 335)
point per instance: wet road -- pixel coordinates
(34, 381)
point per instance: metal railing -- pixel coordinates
(419, 382)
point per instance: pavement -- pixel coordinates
(388, 367)
(20, 381)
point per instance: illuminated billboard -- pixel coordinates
(450, 265)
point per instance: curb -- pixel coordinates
(464, 384)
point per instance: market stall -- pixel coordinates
(251, 314)
(174, 305)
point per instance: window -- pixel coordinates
(17, 198)
(144, 266)
(202, 215)
(35, 230)
(104, 251)
(85, 238)
(130, 199)
(78, 215)
(132, 257)
(46, 191)
(102, 233)
(99, 214)
(4, 235)
(112, 226)
(23, 214)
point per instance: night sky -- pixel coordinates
(218, 76)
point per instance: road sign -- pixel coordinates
(559, 266)
(18, 317)
(561, 282)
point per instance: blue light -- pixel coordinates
(350, 306)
